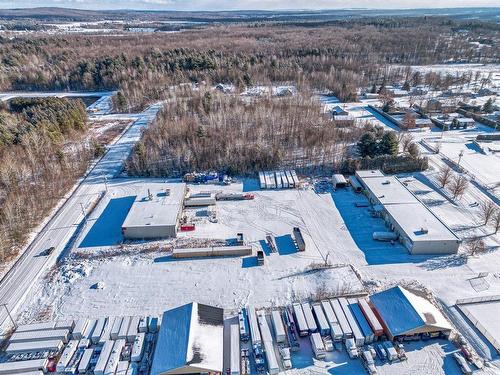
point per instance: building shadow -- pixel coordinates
(285, 245)
(107, 229)
(361, 225)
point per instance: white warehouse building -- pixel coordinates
(418, 229)
(155, 214)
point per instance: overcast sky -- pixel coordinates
(244, 4)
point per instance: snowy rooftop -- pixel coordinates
(162, 209)
(415, 219)
(406, 313)
(190, 340)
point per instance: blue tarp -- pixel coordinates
(396, 311)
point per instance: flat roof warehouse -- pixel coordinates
(422, 232)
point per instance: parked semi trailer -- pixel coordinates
(257, 348)
(356, 331)
(23, 367)
(323, 326)
(311, 322)
(279, 328)
(291, 329)
(344, 324)
(299, 240)
(243, 325)
(267, 339)
(300, 320)
(335, 329)
(235, 350)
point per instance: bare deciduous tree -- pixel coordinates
(496, 220)
(475, 246)
(488, 208)
(458, 186)
(444, 176)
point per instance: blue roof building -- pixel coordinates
(404, 313)
(190, 341)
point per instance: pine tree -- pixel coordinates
(488, 106)
(389, 144)
(368, 145)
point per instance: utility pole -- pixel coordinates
(460, 157)
(10, 316)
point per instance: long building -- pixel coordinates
(417, 228)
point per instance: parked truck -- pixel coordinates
(243, 323)
(291, 329)
(318, 346)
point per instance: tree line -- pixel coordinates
(41, 156)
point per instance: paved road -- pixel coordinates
(16, 284)
(4, 96)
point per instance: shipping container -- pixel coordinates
(43, 326)
(335, 329)
(322, 323)
(200, 202)
(235, 350)
(100, 367)
(279, 328)
(143, 325)
(65, 324)
(356, 185)
(362, 322)
(295, 178)
(10, 368)
(284, 180)
(114, 357)
(272, 361)
(31, 336)
(80, 326)
(66, 355)
(34, 346)
(339, 313)
(291, 182)
(138, 347)
(300, 320)
(318, 346)
(124, 328)
(359, 339)
(371, 317)
(270, 180)
(84, 364)
(106, 333)
(122, 368)
(311, 323)
(277, 176)
(243, 325)
(262, 180)
(133, 328)
(98, 330)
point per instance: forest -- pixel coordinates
(42, 153)
(338, 56)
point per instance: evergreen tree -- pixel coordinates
(368, 145)
(389, 144)
(488, 106)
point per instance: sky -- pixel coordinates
(244, 4)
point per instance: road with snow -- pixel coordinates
(65, 222)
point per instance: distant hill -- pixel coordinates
(65, 14)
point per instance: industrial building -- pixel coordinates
(403, 313)
(155, 214)
(416, 227)
(190, 341)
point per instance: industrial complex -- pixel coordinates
(416, 227)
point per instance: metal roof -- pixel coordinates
(163, 209)
(190, 340)
(405, 313)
